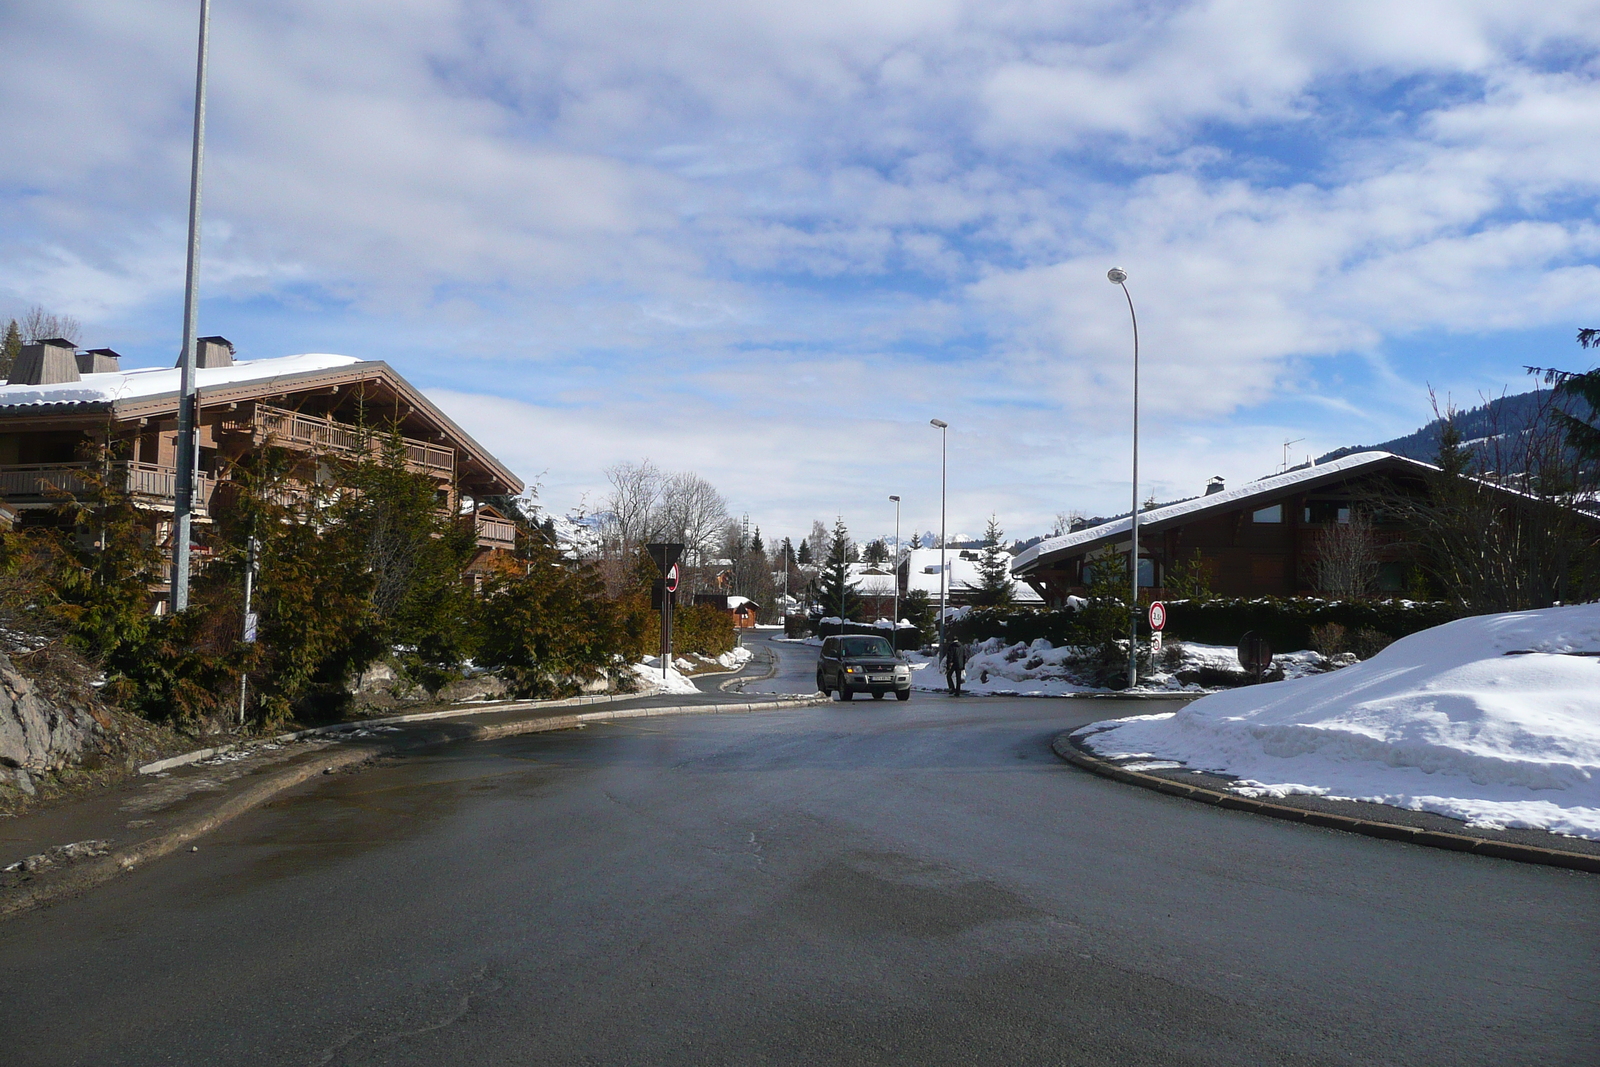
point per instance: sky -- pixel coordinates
(768, 241)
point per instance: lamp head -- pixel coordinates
(939, 423)
(1117, 275)
(895, 499)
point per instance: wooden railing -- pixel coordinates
(496, 533)
(316, 433)
(146, 482)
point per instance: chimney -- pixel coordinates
(46, 363)
(98, 361)
(1215, 485)
(211, 352)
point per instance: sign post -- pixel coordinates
(666, 555)
(1255, 654)
(1158, 622)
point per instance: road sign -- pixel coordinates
(251, 620)
(1158, 616)
(665, 554)
(1155, 642)
(1255, 654)
(672, 579)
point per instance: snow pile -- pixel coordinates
(651, 681)
(1192, 658)
(996, 668)
(1494, 720)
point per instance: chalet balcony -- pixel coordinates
(496, 532)
(38, 485)
(315, 433)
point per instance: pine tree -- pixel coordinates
(837, 594)
(10, 349)
(994, 569)
(916, 541)
(755, 543)
(1452, 459)
(805, 553)
(877, 551)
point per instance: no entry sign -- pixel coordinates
(1158, 616)
(672, 579)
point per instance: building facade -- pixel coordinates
(64, 412)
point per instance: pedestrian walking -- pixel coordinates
(954, 654)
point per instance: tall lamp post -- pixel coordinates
(941, 426)
(895, 570)
(188, 454)
(1119, 278)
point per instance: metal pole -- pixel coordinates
(895, 570)
(1119, 278)
(942, 426)
(188, 454)
(249, 630)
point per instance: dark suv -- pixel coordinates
(858, 663)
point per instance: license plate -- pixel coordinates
(882, 678)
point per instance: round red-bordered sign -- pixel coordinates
(1158, 616)
(672, 579)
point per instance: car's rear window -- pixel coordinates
(867, 646)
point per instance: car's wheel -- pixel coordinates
(845, 692)
(902, 694)
(878, 695)
(821, 686)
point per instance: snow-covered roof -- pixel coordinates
(146, 382)
(922, 572)
(871, 579)
(1227, 500)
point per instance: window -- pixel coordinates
(1272, 514)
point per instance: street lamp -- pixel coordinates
(941, 426)
(188, 393)
(894, 569)
(1119, 278)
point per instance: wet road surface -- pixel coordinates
(918, 883)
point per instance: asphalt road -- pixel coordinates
(877, 882)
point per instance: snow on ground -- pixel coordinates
(995, 668)
(678, 678)
(1493, 720)
(651, 681)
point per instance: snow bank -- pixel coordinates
(1490, 719)
(651, 681)
(995, 668)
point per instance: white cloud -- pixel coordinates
(833, 218)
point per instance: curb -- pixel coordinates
(1063, 747)
(86, 875)
(337, 728)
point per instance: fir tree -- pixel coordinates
(755, 543)
(805, 552)
(10, 349)
(837, 593)
(877, 551)
(994, 569)
(1452, 459)
(916, 541)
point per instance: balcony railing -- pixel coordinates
(315, 433)
(496, 533)
(147, 483)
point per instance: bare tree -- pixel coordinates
(632, 506)
(693, 512)
(1347, 557)
(37, 324)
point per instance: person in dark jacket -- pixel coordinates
(954, 654)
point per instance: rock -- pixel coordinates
(37, 733)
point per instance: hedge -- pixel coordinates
(1285, 622)
(906, 637)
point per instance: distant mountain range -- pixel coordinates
(1478, 427)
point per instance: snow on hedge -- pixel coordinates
(1494, 720)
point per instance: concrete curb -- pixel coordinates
(337, 728)
(1064, 748)
(85, 875)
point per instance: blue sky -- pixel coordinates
(768, 241)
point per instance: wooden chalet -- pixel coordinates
(62, 406)
(1257, 540)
